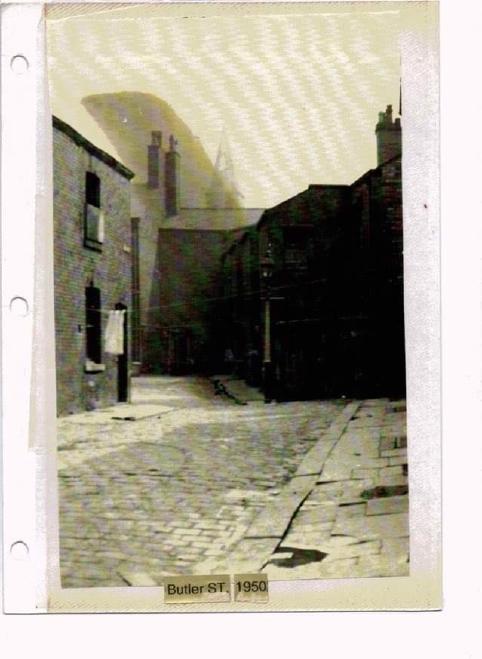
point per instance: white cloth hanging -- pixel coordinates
(114, 333)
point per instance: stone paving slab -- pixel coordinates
(273, 522)
(275, 518)
(375, 527)
(301, 485)
(355, 550)
(342, 568)
(364, 444)
(381, 565)
(340, 491)
(309, 518)
(351, 509)
(365, 474)
(402, 460)
(380, 425)
(394, 480)
(310, 539)
(394, 453)
(323, 512)
(349, 515)
(397, 547)
(392, 440)
(318, 454)
(387, 505)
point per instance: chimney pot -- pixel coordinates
(172, 143)
(389, 136)
(172, 179)
(156, 137)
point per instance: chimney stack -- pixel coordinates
(389, 115)
(173, 179)
(389, 136)
(153, 159)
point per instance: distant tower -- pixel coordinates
(389, 136)
(223, 191)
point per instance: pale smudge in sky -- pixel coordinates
(298, 94)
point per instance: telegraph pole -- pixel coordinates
(266, 272)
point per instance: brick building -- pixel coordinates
(241, 331)
(176, 265)
(335, 285)
(92, 273)
(189, 258)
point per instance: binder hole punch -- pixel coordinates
(19, 551)
(19, 306)
(19, 64)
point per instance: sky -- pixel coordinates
(296, 88)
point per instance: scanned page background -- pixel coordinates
(420, 115)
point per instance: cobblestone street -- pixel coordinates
(344, 514)
(174, 479)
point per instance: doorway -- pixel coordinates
(123, 362)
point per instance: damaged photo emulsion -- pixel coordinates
(228, 267)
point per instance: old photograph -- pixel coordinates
(229, 292)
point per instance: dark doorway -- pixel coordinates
(123, 363)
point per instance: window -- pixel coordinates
(297, 245)
(92, 189)
(93, 324)
(94, 218)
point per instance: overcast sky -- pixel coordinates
(297, 93)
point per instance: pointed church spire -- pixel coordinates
(223, 191)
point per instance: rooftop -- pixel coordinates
(147, 201)
(80, 140)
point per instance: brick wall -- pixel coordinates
(76, 266)
(189, 263)
(337, 297)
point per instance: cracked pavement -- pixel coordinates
(178, 484)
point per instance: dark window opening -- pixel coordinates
(297, 247)
(93, 324)
(92, 189)
(94, 218)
